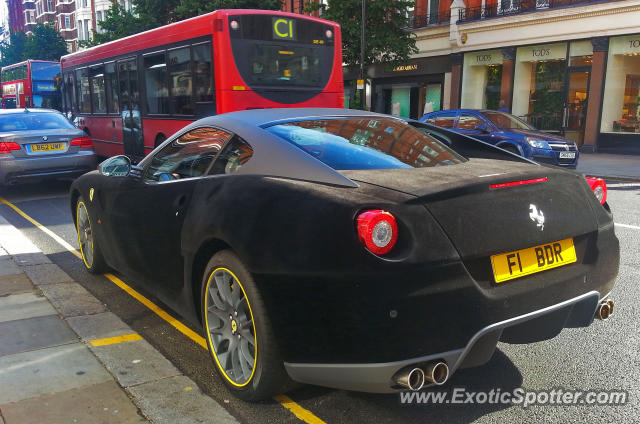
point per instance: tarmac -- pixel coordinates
(609, 166)
(65, 358)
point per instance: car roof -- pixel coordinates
(25, 110)
(265, 117)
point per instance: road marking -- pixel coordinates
(297, 410)
(302, 414)
(634, 227)
(47, 231)
(113, 340)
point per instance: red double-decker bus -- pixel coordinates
(32, 83)
(130, 94)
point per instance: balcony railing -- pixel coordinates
(421, 21)
(512, 7)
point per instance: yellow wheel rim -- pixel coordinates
(85, 234)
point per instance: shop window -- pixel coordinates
(98, 94)
(482, 80)
(157, 86)
(539, 85)
(467, 121)
(621, 105)
(581, 53)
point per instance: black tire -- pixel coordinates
(268, 376)
(93, 260)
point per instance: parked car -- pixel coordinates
(349, 249)
(41, 143)
(510, 133)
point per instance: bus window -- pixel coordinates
(111, 87)
(156, 84)
(180, 77)
(98, 96)
(69, 93)
(203, 77)
(82, 87)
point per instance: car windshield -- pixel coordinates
(27, 121)
(366, 143)
(505, 121)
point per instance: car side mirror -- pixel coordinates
(482, 128)
(119, 166)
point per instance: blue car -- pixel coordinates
(508, 132)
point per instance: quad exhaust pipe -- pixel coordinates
(605, 310)
(414, 379)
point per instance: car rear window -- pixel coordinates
(366, 143)
(26, 121)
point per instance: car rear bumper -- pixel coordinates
(13, 170)
(535, 326)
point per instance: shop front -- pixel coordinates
(410, 89)
(482, 80)
(620, 118)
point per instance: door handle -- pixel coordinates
(180, 203)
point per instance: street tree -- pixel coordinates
(190, 8)
(118, 23)
(44, 43)
(387, 39)
(155, 13)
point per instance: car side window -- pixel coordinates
(445, 120)
(188, 156)
(233, 157)
(469, 121)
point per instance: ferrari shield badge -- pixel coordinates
(91, 194)
(536, 216)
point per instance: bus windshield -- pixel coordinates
(272, 51)
(44, 71)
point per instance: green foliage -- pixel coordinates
(494, 84)
(45, 43)
(118, 23)
(190, 8)
(387, 40)
(155, 13)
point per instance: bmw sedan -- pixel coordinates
(41, 143)
(510, 133)
(350, 249)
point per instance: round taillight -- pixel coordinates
(378, 231)
(599, 188)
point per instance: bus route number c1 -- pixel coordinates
(283, 29)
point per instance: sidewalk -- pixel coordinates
(64, 358)
(608, 166)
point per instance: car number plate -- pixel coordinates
(567, 155)
(47, 147)
(507, 266)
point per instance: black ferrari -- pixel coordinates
(350, 249)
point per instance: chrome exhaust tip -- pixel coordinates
(604, 310)
(410, 378)
(437, 373)
(610, 303)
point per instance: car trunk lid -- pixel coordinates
(482, 220)
(41, 143)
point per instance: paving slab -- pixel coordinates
(99, 326)
(71, 299)
(14, 284)
(188, 404)
(134, 362)
(55, 369)
(15, 244)
(24, 305)
(34, 333)
(46, 274)
(8, 266)
(100, 403)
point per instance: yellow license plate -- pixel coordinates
(507, 266)
(47, 147)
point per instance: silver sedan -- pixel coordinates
(41, 143)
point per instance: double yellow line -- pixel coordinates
(300, 412)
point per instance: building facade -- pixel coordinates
(570, 67)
